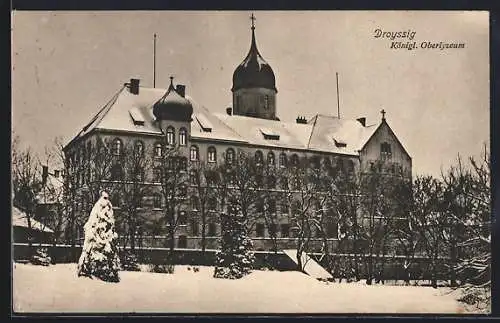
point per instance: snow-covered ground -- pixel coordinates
(57, 289)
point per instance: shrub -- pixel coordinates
(41, 257)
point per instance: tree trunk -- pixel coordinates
(203, 230)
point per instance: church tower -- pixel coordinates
(254, 85)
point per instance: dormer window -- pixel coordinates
(136, 116)
(269, 134)
(339, 143)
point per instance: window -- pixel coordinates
(212, 229)
(271, 206)
(182, 242)
(211, 177)
(194, 227)
(139, 148)
(284, 183)
(230, 156)
(295, 160)
(194, 153)
(315, 162)
(157, 201)
(138, 174)
(350, 167)
(271, 182)
(259, 229)
(212, 154)
(195, 203)
(283, 160)
(170, 136)
(115, 200)
(212, 204)
(157, 175)
(270, 159)
(259, 206)
(266, 102)
(285, 208)
(385, 151)
(116, 173)
(158, 152)
(182, 191)
(285, 230)
(193, 177)
(182, 137)
(182, 218)
(258, 157)
(116, 148)
(183, 163)
(327, 163)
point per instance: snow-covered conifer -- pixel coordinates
(235, 258)
(99, 256)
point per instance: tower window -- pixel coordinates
(157, 201)
(194, 153)
(170, 136)
(212, 154)
(266, 102)
(182, 137)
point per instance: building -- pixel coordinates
(148, 118)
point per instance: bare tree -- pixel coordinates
(133, 189)
(26, 184)
(205, 181)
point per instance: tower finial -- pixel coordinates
(383, 114)
(252, 17)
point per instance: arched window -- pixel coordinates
(212, 154)
(284, 183)
(139, 148)
(285, 207)
(283, 160)
(193, 177)
(230, 156)
(116, 148)
(193, 153)
(182, 137)
(295, 160)
(157, 201)
(138, 174)
(271, 206)
(315, 162)
(327, 163)
(158, 152)
(258, 157)
(170, 136)
(270, 158)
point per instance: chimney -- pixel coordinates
(181, 89)
(229, 111)
(56, 173)
(362, 121)
(301, 120)
(134, 86)
(45, 174)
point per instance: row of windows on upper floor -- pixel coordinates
(194, 155)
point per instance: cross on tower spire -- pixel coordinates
(252, 17)
(383, 114)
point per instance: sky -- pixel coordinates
(67, 65)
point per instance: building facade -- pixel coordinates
(151, 120)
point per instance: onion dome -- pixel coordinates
(173, 106)
(254, 71)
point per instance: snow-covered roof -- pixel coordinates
(19, 219)
(322, 133)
